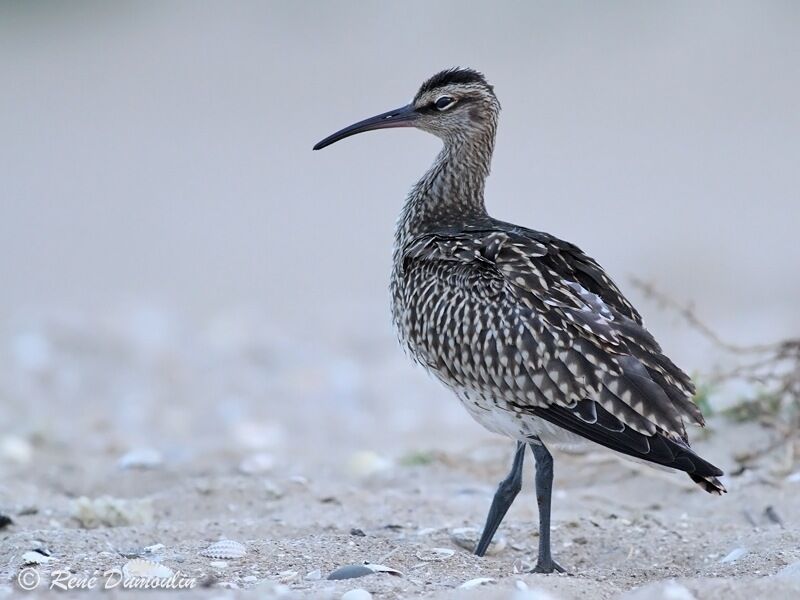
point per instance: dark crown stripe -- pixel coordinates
(456, 75)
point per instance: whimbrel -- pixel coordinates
(536, 340)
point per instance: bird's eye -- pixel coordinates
(444, 102)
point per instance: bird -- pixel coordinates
(535, 339)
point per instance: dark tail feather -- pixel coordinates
(709, 483)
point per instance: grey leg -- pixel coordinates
(544, 493)
(503, 498)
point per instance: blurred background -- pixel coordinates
(180, 270)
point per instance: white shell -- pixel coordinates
(141, 458)
(226, 549)
(375, 568)
(35, 558)
(145, 569)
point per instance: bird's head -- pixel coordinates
(455, 105)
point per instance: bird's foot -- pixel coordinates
(548, 566)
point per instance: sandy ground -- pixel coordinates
(319, 456)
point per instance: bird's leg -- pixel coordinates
(503, 498)
(544, 493)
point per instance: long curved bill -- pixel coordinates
(400, 117)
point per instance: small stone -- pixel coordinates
(314, 575)
(5, 521)
(218, 564)
(357, 594)
(249, 579)
(357, 532)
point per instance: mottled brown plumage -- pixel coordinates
(532, 335)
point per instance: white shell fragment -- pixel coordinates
(432, 554)
(383, 569)
(141, 458)
(734, 555)
(353, 571)
(473, 583)
(34, 557)
(145, 569)
(225, 549)
(467, 538)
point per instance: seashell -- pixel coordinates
(225, 549)
(36, 557)
(430, 554)
(314, 575)
(145, 569)
(473, 583)
(218, 564)
(350, 572)
(468, 537)
(376, 568)
(357, 594)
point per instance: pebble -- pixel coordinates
(357, 594)
(249, 579)
(218, 564)
(314, 575)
